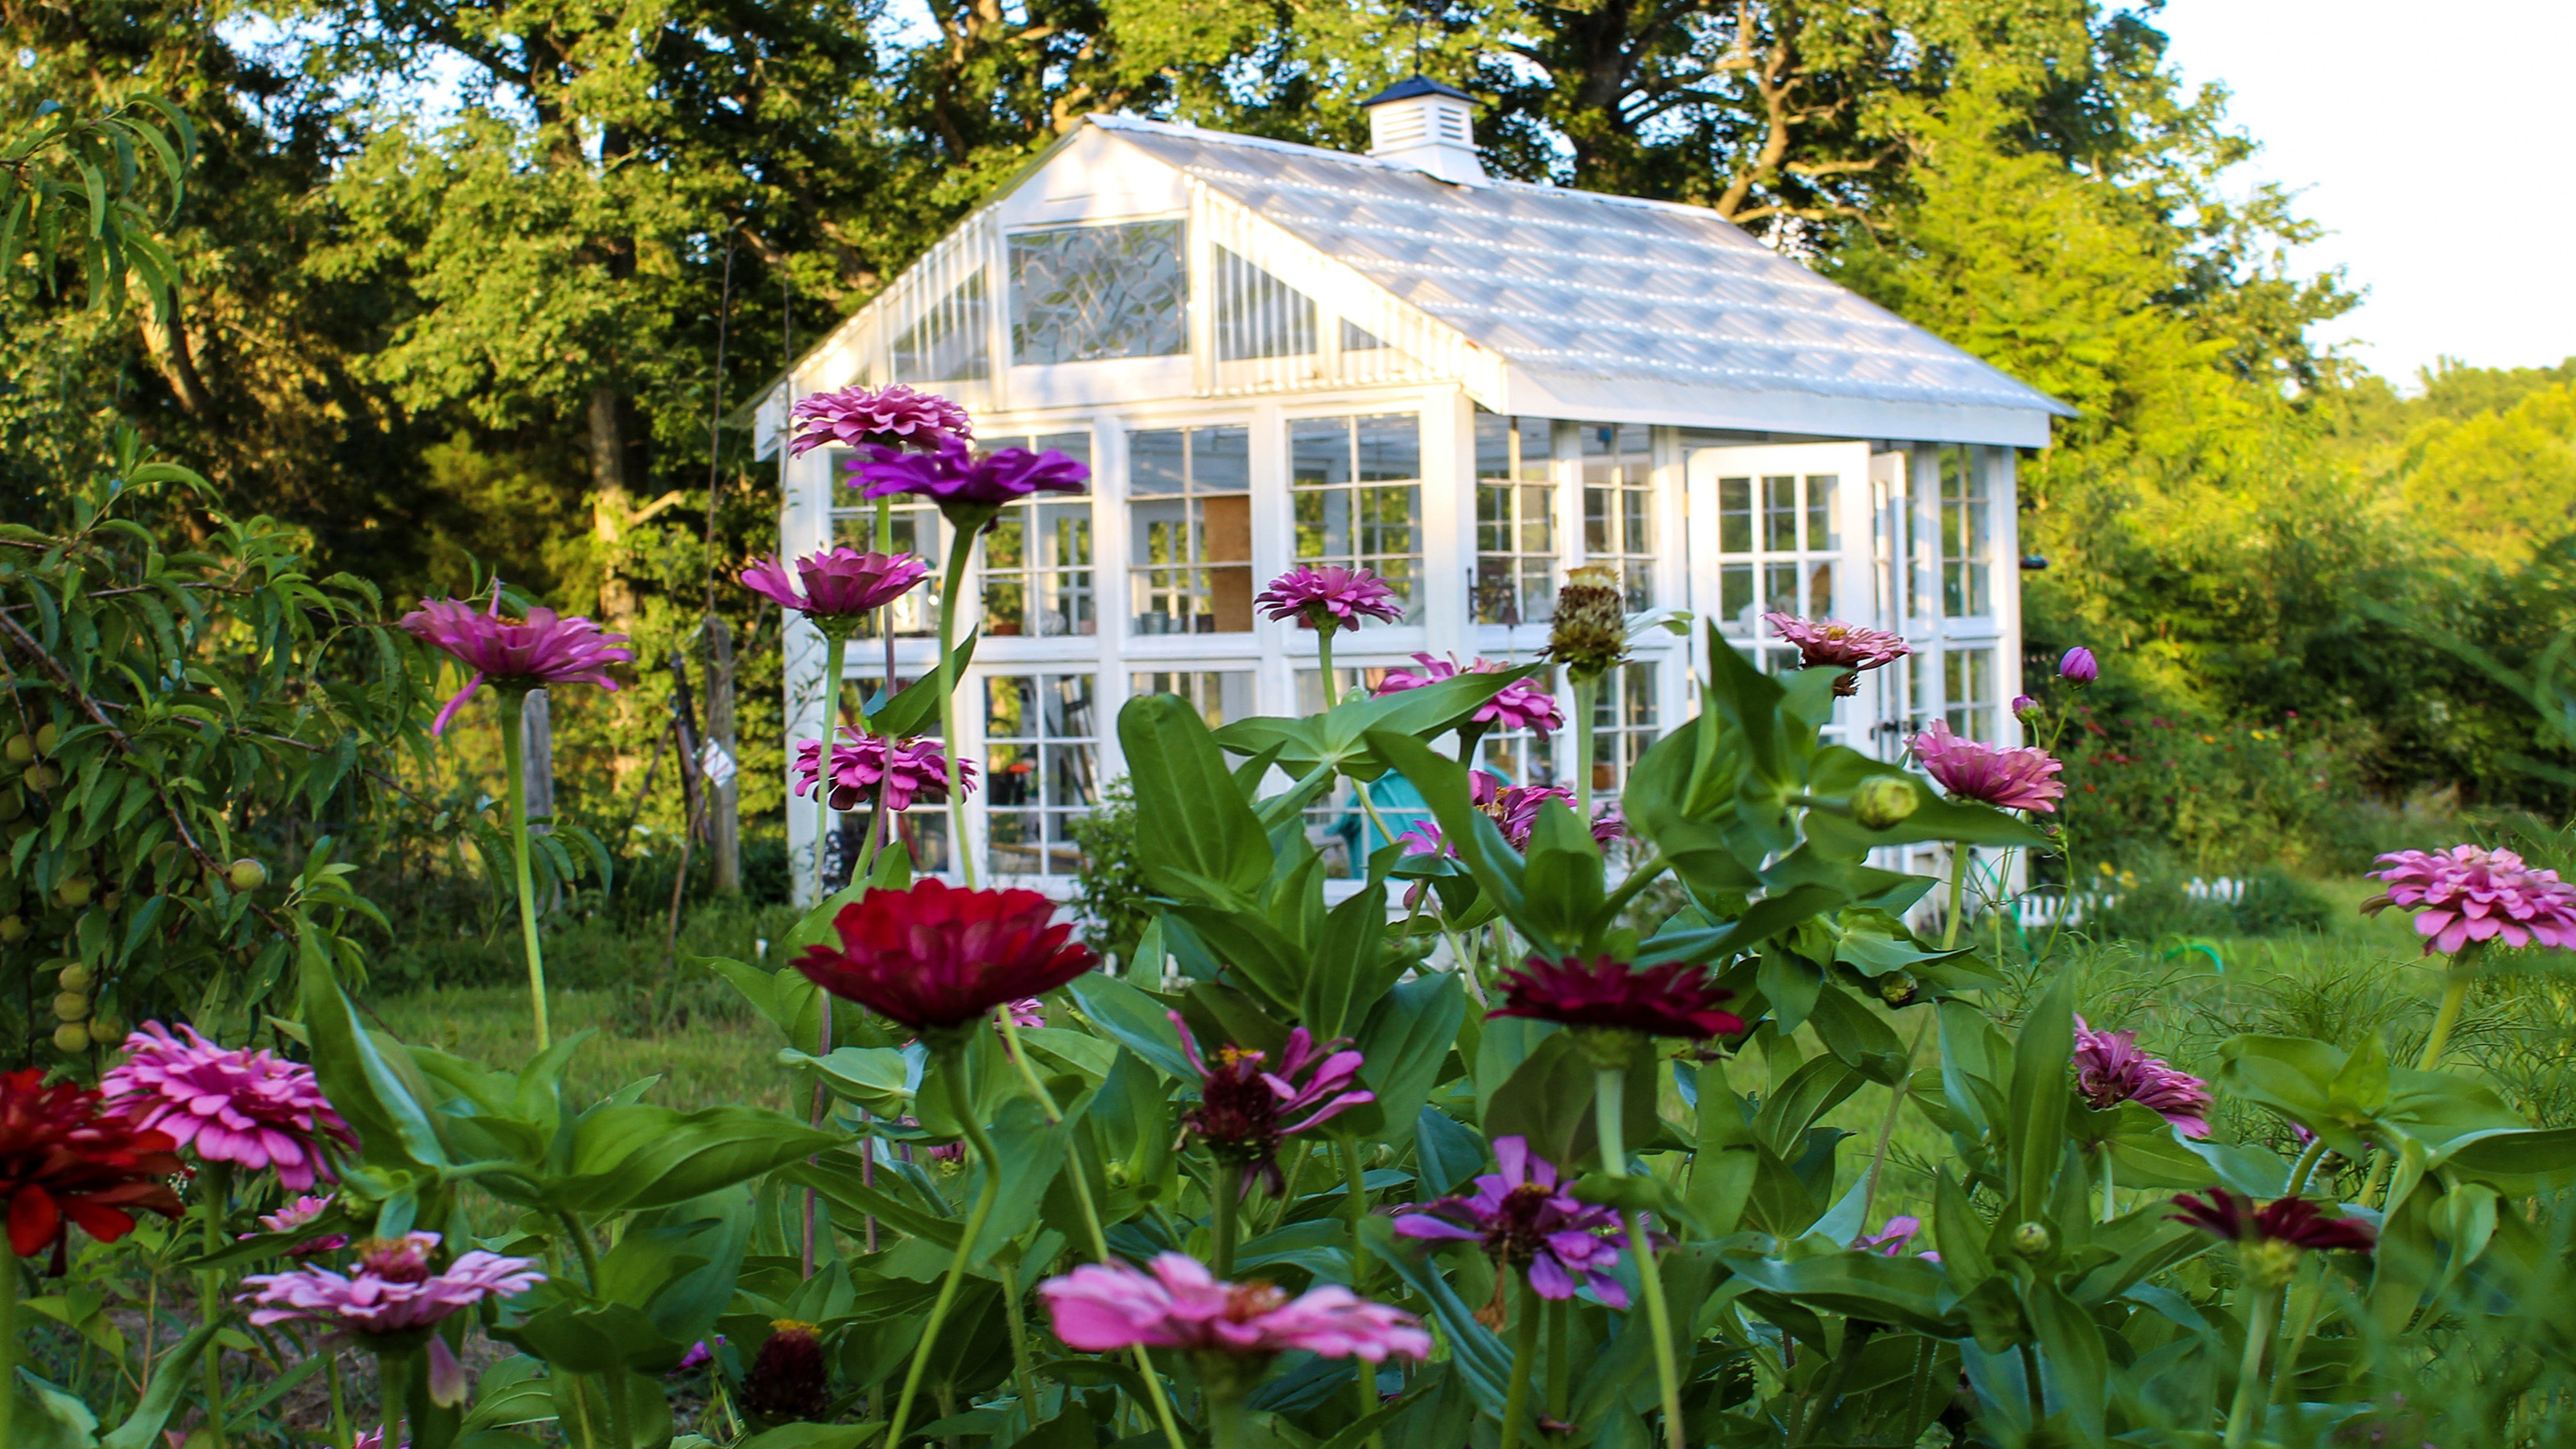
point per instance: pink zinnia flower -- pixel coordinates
(1520, 705)
(908, 771)
(1243, 1109)
(842, 584)
(1674, 999)
(1972, 770)
(1330, 596)
(969, 486)
(540, 652)
(893, 416)
(1525, 1218)
(295, 1215)
(2109, 1070)
(2468, 893)
(1893, 1237)
(936, 958)
(1514, 810)
(1833, 644)
(248, 1108)
(1102, 1307)
(393, 1292)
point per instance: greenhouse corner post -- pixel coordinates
(514, 703)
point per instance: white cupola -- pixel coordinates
(1428, 126)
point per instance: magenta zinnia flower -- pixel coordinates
(894, 416)
(1833, 644)
(295, 1215)
(909, 772)
(1102, 1307)
(969, 486)
(1520, 705)
(2467, 894)
(2019, 779)
(1329, 597)
(392, 1295)
(1514, 810)
(842, 585)
(245, 1107)
(1243, 1109)
(1525, 1219)
(2079, 666)
(1674, 999)
(1895, 1236)
(935, 957)
(540, 652)
(2109, 1070)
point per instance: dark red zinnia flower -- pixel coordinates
(2291, 1220)
(64, 1158)
(1244, 1106)
(936, 958)
(1676, 999)
(788, 1380)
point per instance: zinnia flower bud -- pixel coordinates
(2033, 1240)
(1882, 802)
(1591, 631)
(2079, 666)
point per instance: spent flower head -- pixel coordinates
(248, 1108)
(1245, 1107)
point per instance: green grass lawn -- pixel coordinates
(704, 1058)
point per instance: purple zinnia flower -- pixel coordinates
(908, 771)
(1520, 705)
(1243, 1108)
(1525, 1219)
(970, 487)
(2109, 1070)
(295, 1215)
(840, 584)
(1514, 810)
(542, 651)
(248, 1108)
(893, 416)
(1331, 596)
(1104, 1307)
(2468, 893)
(393, 1292)
(2079, 666)
(1973, 770)
(1893, 1237)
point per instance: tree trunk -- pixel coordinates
(724, 822)
(616, 470)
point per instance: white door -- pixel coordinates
(1789, 528)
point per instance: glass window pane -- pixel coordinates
(1390, 448)
(1493, 445)
(947, 342)
(1780, 513)
(1824, 524)
(1258, 315)
(1083, 293)
(1156, 461)
(1220, 459)
(1319, 452)
(1735, 515)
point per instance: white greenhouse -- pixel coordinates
(1272, 353)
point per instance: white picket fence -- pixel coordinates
(2039, 908)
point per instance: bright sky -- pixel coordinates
(2432, 144)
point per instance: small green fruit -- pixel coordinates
(105, 1028)
(46, 738)
(20, 749)
(71, 1038)
(1882, 802)
(74, 892)
(110, 901)
(76, 977)
(41, 777)
(246, 874)
(71, 1006)
(14, 929)
(2033, 1240)
(13, 803)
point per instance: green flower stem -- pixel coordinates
(1090, 1219)
(1229, 1192)
(215, 1181)
(1225, 1418)
(959, 551)
(2454, 992)
(580, 1234)
(2305, 1167)
(1560, 1368)
(621, 1418)
(1355, 1194)
(822, 1102)
(1585, 688)
(2110, 1199)
(9, 1340)
(1024, 1378)
(1324, 661)
(1958, 895)
(1887, 1124)
(393, 1389)
(2249, 1370)
(952, 1072)
(514, 704)
(2285, 1372)
(340, 1436)
(1524, 1365)
(836, 647)
(1607, 1087)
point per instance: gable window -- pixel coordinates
(1086, 293)
(946, 343)
(1189, 516)
(1042, 770)
(1515, 520)
(1258, 315)
(1777, 538)
(1037, 554)
(1965, 506)
(1618, 506)
(1355, 487)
